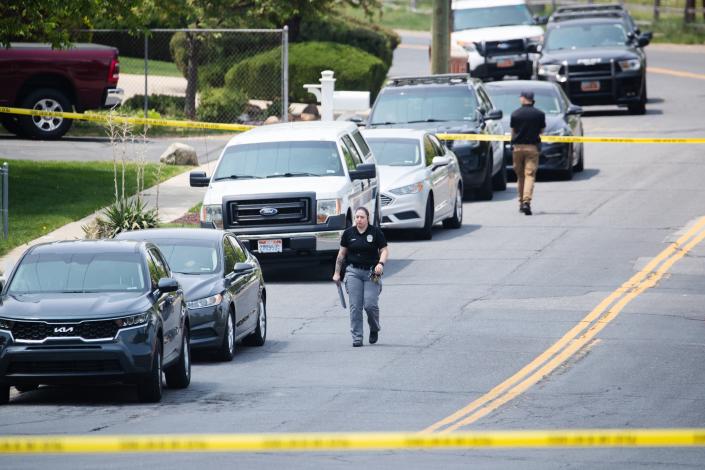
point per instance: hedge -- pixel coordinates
(221, 105)
(354, 70)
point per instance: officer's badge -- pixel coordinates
(369, 238)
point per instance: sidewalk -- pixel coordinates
(176, 197)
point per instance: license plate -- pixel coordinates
(269, 246)
(505, 63)
(590, 86)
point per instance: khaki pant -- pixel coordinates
(526, 162)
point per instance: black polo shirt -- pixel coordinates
(363, 248)
(527, 123)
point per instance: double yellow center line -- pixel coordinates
(575, 339)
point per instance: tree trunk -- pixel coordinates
(689, 14)
(294, 25)
(191, 75)
(657, 7)
(440, 37)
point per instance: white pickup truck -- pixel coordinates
(289, 190)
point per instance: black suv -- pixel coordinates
(597, 61)
(449, 104)
(84, 311)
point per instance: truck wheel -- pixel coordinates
(4, 394)
(45, 127)
(640, 107)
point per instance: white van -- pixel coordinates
(495, 34)
(289, 190)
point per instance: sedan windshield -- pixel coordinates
(79, 272)
(508, 100)
(425, 104)
(280, 159)
(190, 257)
(509, 15)
(586, 36)
(396, 152)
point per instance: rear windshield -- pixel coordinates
(190, 257)
(425, 104)
(79, 272)
(396, 152)
(280, 159)
(586, 36)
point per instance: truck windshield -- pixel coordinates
(585, 36)
(491, 17)
(508, 100)
(79, 272)
(285, 159)
(396, 152)
(425, 104)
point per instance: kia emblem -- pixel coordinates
(64, 329)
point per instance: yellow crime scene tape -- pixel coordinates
(241, 128)
(310, 442)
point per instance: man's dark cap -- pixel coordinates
(529, 95)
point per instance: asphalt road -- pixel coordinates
(463, 313)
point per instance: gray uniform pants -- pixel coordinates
(363, 293)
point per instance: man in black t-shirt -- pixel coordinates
(527, 124)
(364, 248)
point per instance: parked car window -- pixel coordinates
(484, 98)
(230, 256)
(240, 255)
(355, 154)
(157, 270)
(396, 152)
(190, 256)
(428, 150)
(347, 154)
(437, 146)
(364, 148)
(274, 159)
(78, 272)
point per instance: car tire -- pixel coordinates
(23, 388)
(179, 374)
(456, 221)
(226, 352)
(566, 174)
(499, 181)
(259, 336)
(580, 166)
(45, 128)
(485, 193)
(426, 233)
(150, 388)
(4, 394)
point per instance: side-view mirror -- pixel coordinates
(364, 171)
(243, 268)
(357, 120)
(168, 284)
(575, 110)
(440, 161)
(199, 179)
(644, 39)
(493, 115)
(540, 19)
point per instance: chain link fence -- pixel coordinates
(211, 75)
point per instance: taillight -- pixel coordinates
(114, 72)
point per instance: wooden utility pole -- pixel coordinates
(440, 36)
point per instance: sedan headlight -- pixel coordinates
(408, 189)
(326, 208)
(212, 214)
(133, 320)
(204, 302)
(629, 65)
(5, 324)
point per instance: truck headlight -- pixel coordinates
(326, 208)
(549, 69)
(468, 46)
(204, 302)
(212, 214)
(133, 320)
(408, 189)
(629, 65)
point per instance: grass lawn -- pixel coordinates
(135, 65)
(47, 195)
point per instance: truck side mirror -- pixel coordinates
(364, 171)
(199, 179)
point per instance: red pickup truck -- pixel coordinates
(35, 76)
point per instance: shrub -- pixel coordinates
(165, 105)
(354, 70)
(377, 40)
(221, 105)
(125, 215)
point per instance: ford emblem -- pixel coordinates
(268, 211)
(502, 45)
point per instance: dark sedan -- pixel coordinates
(80, 311)
(562, 119)
(223, 283)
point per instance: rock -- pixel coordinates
(179, 154)
(271, 120)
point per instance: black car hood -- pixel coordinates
(447, 127)
(198, 286)
(573, 55)
(554, 122)
(73, 306)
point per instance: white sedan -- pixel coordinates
(419, 180)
